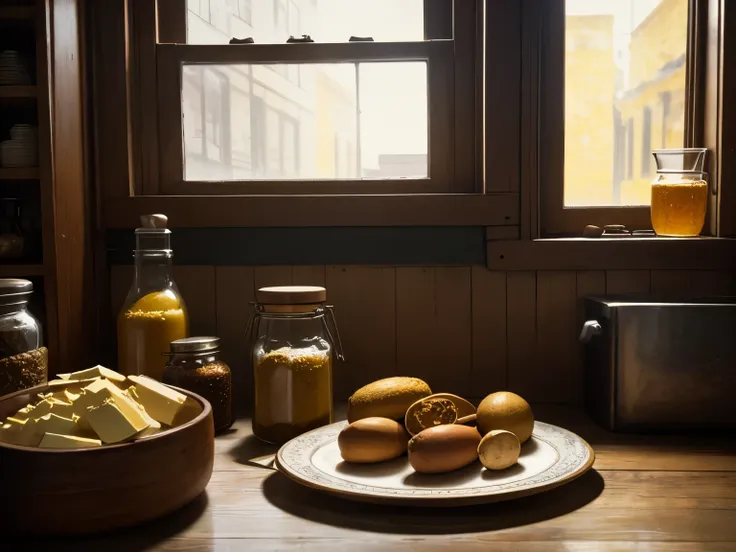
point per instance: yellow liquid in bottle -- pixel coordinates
(678, 209)
(146, 330)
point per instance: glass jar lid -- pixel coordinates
(195, 345)
(14, 291)
(153, 234)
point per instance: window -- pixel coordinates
(622, 61)
(330, 117)
(379, 107)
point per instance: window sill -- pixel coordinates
(499, 209)
(648, 253)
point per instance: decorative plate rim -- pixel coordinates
(578, 460)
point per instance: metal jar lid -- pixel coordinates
(14, 291)
(194, 345)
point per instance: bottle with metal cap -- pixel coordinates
(154, 313)
(23, 361)
(195, 365)
(292, 347)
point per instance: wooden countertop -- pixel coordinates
(672, 493)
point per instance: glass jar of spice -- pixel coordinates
(23, 361)
(195, 365)
(292, 361)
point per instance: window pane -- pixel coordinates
(624, 96)
(338, 121)
(272, 21)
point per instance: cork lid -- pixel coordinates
(291, 295)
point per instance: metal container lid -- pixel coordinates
(14, 291)
(291, 295)
(195, 345)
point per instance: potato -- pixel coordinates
(499, 449)
(437, 409)
(371, 440)
(443, 448)
(506, 410)
(386, 398)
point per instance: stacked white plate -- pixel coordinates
(13, 69)
(22, 148)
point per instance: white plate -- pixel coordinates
(552, 457)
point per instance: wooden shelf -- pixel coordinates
(17, 12)
(21, 173)
(20, 271)
(12, 91)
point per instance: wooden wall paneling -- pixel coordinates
(234, 291)
(108, 30)
(671, 283)
(628, 281)
(521, 329)
(68, 254)
(310, 276)
(557, 375)
(197, 287)
(433, 318)
(365, 308)
(713, 282)
(273, 276)
(502, 233)
(46, 172)
(488, 370)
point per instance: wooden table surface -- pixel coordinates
(645, 493)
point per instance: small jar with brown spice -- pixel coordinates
(195, 365)
(292, 361)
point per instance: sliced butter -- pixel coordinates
(94, 372)
(51, 406)
(24, 413)
(161, 402)
(57, 441)
(14, 434)
(51, 423)
(114, 424)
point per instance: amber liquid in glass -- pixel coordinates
(146, 330)
(678, 208)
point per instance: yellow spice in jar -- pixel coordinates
(293, 393)
(146, 330)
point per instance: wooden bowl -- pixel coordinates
(99, 489)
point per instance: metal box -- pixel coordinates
(665, 365)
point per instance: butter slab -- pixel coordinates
(112, 425)
(52, 423)
(57, 441)
(161, 402)
(94, 372)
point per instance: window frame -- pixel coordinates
(123, 37)
(554, 219)
(453, 78)
(442, 128)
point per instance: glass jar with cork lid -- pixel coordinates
(292, 361)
